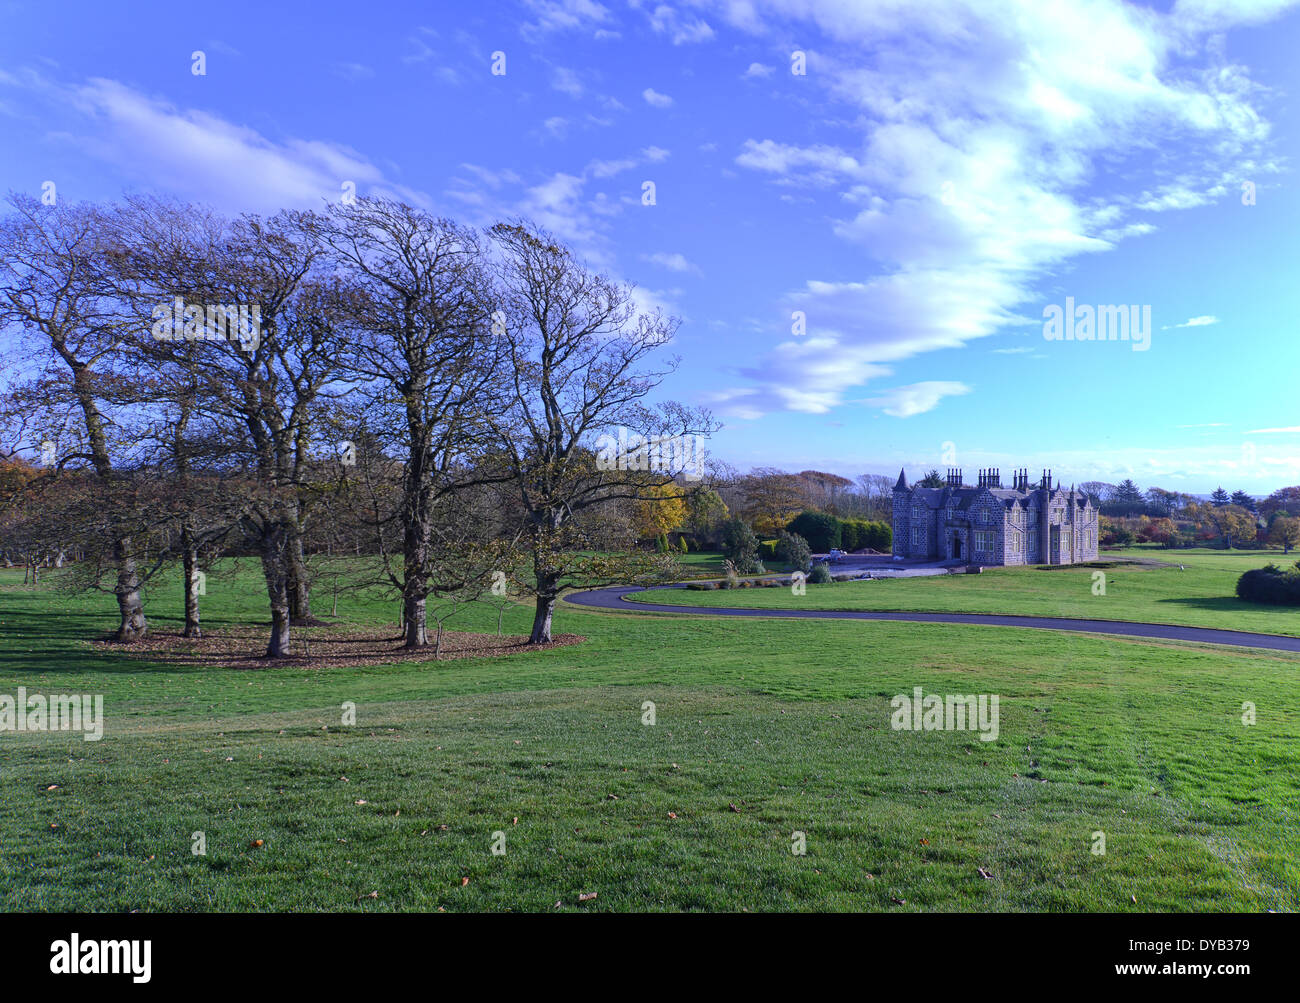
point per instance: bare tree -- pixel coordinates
(577, 345)
(427, 369)
(263, 384)
(56, 291)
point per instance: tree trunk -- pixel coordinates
(299, 586)
(277, 590)
(191, 567)
(542, 620)
(132, 626)
(415, 621)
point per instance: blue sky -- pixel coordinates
(940, 174)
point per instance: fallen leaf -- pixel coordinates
(464, 882)
(985, 874)
(255, 844)
(672, 814)
(586, 896)
(734, 808)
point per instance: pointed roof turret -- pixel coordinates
(902, 481)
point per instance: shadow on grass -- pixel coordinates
(49, 641)
(1222, 604)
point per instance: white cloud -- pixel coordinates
(1203, 321)
(666, 21)
(758, 70)
(981, 129)
(655, 99)
(608, 168)
(194, 154)
(565, 15)
(566, 81)
(903, 402)
(1274, 431)
(655, 154)
(675, 262)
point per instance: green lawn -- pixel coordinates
(786, 721)
(1202, 595)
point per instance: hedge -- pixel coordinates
(1270, 584)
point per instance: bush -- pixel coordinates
(850, 533)
(822, 531)
(821, 575)
(702, 586)
(681, 545)
(1270, 584)
(767, 550)
(876, 535)
(740, 546)
(793, 549)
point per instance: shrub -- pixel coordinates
(1270, 584)
(822, 531)
(793, 549)
(821, 575)
(876, 535)
(851, 533)
(702, 586)
(681, 545)
(740, 546)
(767, 550)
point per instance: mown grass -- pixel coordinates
(1202, 594)
(788, 722)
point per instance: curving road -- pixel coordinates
(616, 598)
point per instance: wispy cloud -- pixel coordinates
(198, 155)
(1204, 321)
(970, 178)
(903, 402)
(674, 262)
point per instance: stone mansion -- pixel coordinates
(991, 525)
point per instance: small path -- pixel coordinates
(619, 598)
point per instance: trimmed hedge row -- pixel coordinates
(825, 533)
